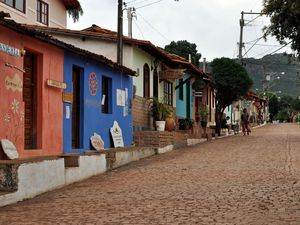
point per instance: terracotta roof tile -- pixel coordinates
(95, 31)
(29, 30)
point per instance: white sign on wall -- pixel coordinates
(97, 142)
(9, 149)
(121, 97)
(117, 136)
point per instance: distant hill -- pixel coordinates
(275, 65)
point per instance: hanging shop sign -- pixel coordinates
(171, 74)
(56, 84)
(10, 50)
(93, 84)
(15, 83)
(117, 136)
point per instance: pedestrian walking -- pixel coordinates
(245, 122)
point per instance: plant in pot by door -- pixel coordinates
(185, 124)
(159, 112)
(203, 116)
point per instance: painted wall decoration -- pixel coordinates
(9, 149)
(93, 84)
(15, 83)
(97, 142)
(117, 136)
(13, 120)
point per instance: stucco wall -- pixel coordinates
(92, 118)
(49, 99)
(57, 13)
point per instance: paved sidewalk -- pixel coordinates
(235, 180)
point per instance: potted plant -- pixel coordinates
(159, 112)
(203, 116)
(185, 124)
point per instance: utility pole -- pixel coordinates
(241, 44)
(130, 15)
(242, 24)
(120, 33)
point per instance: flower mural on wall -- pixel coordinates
(93, 84)
(13, 119)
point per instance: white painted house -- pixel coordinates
(52, 13)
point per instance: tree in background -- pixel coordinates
(75, 13)
(273, 106)
(231, 81)
(183, 49)
(285, 21)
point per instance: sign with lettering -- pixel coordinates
(97, 142)
(9, 149)
(171, 74)
(56, 84)
(117, 136)
(67, 97)
(15, 83)
(10, 50)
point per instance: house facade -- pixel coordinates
(29, 106)
(51, 13)
(56, 96)
(95, 89)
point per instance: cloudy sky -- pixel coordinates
(212, 25)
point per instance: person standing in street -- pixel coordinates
(245, 122)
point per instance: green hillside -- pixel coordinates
(275, 65)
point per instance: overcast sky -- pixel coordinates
(212, 25)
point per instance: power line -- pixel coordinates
(280, 48)
(149, 4)
(253, 45)
(139, 29)
(154, 28)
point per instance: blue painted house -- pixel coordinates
(98, 93)
(184, 97)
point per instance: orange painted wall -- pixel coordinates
(49, 100)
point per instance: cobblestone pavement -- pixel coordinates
(236, 180)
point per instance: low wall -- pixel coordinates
(117, 158)
(23, 179)
(88, 166)
(158, 139)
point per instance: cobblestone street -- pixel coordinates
(236, 180)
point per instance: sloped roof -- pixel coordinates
(28, 30)
(71, 4)
(252, 96)
(97, 32)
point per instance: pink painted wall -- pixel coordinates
(49, 100)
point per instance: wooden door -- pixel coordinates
(146, 81)
(76, 108)
(29, 99)
(155, 83)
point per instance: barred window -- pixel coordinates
(168, 93)
(42, 12)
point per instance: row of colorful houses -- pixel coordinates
(56, 96)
